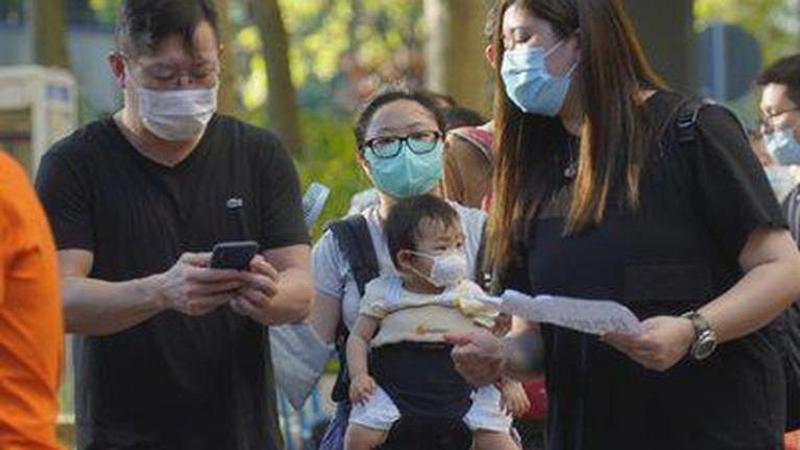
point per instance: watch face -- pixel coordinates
(705, 345)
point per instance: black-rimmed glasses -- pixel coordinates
(420, 142)
(766, 119)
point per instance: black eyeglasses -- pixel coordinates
(387, 147)
(766, 120)
(166, 74)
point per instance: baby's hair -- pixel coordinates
(402, 226)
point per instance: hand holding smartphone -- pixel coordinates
(233, 255)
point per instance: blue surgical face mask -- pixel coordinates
(528, 83)
(783, 147)
(408, 174)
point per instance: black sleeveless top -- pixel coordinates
(677, 251)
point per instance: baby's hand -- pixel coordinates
(502, 325)
(513, 398)
(361, 387)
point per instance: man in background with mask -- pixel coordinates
(780, 127)
(171, 352)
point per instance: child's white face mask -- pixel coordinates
(448, 270)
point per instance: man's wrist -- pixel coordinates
(150, 288)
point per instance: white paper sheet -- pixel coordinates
(588, 316)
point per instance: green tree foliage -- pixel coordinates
(775, 23)
(341, 50)
(49, 38)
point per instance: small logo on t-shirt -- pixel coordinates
(234, 203)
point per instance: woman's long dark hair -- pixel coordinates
(609, 81)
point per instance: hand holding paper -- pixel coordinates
(588, 316)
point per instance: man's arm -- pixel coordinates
(96, 307)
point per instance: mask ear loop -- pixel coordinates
(556, 47)
(416, 272)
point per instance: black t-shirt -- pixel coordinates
(676, 252)
(172, 382)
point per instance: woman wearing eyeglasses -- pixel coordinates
(400, 139)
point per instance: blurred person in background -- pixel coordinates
(468, 156)
(780, 132)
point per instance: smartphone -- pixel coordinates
(233, 255)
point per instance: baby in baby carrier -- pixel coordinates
(398, 361)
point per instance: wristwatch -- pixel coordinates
(705, 339)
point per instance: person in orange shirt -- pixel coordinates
(31, 327)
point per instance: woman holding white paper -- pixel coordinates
(611, 187)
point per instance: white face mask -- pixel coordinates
(448, 270)
(176, 115)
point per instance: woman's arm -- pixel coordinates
(771, 263)
(771, 283)
(324, 317)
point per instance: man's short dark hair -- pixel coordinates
(402, 226)
(787, 72)
(143, 24)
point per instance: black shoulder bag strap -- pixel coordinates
(788, 323)
(353, 237)
(483, 275)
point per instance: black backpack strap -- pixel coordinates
(680, 135)
(483, 274)
(686, 120)
(355, 243)
(352, 236)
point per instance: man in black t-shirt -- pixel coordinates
(172, 354)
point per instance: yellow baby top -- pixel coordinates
(415, 317)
